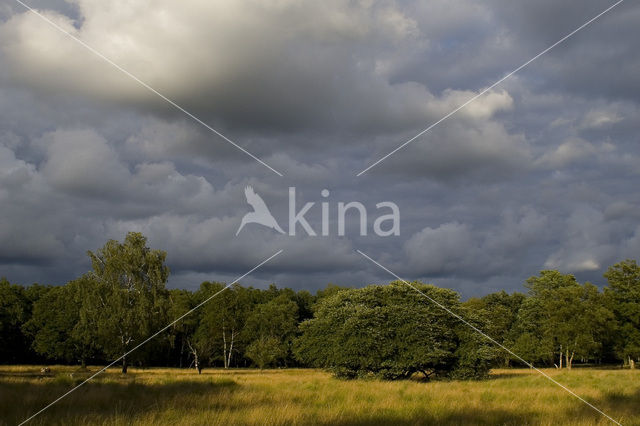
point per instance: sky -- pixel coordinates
(541, 172)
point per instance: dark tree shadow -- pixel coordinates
(100, 400)
(500, 376)
(130, 397)
(619, 405)
(455, 417)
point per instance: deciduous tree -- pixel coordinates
(569, 317)
(55, 324)
(389, 331)
(270, 330)
(127, 299)
(623, 295)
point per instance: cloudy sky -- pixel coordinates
(540, 172)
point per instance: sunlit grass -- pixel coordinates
(299, 396)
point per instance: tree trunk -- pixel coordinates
(571, 359)
(230, 348)
(124, 365)
(567, 359)
(224, 346)
(632, 363)
(197, 363)
(181, 352)
(561, 355)
(83, 364)
(196, 360)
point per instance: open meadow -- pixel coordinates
(305, 396)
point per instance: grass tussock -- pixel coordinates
(297, 396)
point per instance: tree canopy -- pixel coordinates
(623, 297)
(387, 331)
(126, 300)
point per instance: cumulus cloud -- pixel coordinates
(82, 161)
(459, 250)
(210, 244)
(436, 251)
(482, 150)
(588, 243)
(231, 60)
(596, 119)
(568, 152)
(25, 229)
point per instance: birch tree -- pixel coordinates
(270, 330)
(223, 320)
(127, 299)
(183, 337)
(571, 318)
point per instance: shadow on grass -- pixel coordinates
(456, 417)
(503, 375)
(98, 401)
(620, 405)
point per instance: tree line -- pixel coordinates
(389, 331)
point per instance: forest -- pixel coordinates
(389, 331)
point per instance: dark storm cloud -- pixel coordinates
(601, 62)
(538, 173)
(244, 65)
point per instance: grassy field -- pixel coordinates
(296, 396)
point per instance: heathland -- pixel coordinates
(306, 396)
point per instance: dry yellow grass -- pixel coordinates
(299, 396)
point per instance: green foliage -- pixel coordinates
(475, 354)
(272, 327)
(266, 351)
(218, 335)
(378, 331)
(499, 312)
(389, 332)
(623, 297)
(13, 306)
(561, 317)
(125, 299)
(15, 310)
(330, 290)
(55, 324)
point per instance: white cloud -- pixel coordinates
(568, 152)
(483, 108)
(586, 244)
(596, 119)
(435, 251)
